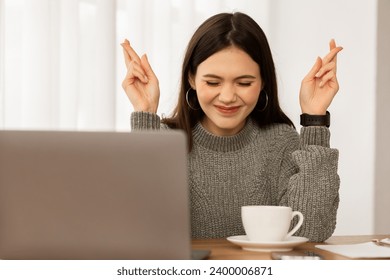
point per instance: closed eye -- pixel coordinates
(245, 84)
(212, 83)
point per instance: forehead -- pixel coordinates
(229, 62)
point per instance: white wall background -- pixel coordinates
(64, 71)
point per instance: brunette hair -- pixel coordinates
(216, 33)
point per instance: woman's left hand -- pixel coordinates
(320, 85)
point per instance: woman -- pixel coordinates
(243, 150)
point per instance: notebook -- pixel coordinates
(94, 195)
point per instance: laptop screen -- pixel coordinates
(93, 195)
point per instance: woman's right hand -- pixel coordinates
(140, 84)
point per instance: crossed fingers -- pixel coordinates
(133, 63)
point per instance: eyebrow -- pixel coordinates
(237, 78)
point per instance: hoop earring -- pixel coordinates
(188, 102)
(266, 101)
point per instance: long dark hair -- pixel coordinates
(216, 33)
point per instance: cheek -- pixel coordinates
(205, 94)
(251, 96)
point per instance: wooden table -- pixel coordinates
(221, 249)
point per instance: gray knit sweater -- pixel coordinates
(273, 165)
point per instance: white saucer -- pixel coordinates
(279, 246)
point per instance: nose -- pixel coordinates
(227, 94)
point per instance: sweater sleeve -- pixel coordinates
(144, 121)
(309, 182)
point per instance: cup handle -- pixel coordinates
(298, 225)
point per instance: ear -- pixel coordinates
(191, 80)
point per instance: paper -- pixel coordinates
(386, 240)
(361, 250)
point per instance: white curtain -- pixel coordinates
(61, 62)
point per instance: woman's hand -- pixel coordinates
(140, 84)
(320, 85)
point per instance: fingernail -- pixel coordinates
(146, 79)
(317, 75)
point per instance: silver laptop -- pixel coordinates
(93, 195)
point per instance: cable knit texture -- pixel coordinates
(273, 165)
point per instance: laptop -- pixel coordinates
(94, 195)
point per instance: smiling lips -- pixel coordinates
(227, 110)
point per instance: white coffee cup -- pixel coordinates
(269, 223)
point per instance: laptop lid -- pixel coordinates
(93, 195)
